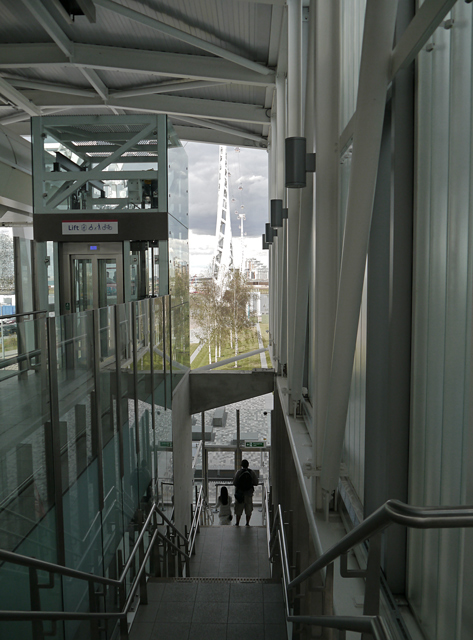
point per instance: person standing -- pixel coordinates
(245, 481)
(224, 505)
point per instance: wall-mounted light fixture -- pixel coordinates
(276, 213)
(270, 233)
(298, 162)
(285, 213)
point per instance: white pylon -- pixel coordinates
(223, 254)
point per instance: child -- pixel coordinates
(224, 503)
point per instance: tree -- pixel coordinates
(236, 299)
(7, 270)
(204, 310)
(221, 312)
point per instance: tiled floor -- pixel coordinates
(230, 597)
(231, 552)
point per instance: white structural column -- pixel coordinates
(305, 225)
(374, 78)
(274, 249)
(325, 223)
(282, 233)
(294, 97)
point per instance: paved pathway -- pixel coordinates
(196, 352)
(264, 362)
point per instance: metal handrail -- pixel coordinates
(392, 512)
(26, 313)
(91, 579)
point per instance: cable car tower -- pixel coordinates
(223, 255)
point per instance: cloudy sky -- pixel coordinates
(249, 169)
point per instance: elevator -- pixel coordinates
(91, 275)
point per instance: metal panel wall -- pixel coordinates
(352, 15)
(440, 423)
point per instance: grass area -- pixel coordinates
(248, 342)
(194, 347)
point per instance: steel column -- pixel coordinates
(375, 63)
(56, 445)
(294, 71)
(299, 338)
(325, 222)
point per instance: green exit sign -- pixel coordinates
(166, 444)
(255, 445)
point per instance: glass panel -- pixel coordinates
(107, 279)
(165, 481)
(134, 275)
(179, 289)
(79, 467)
(123, 153)
(27, 513)
(177, 178)
(167, 350)
(112, 518)
(26, 486)
(83, 284)
(144, 383)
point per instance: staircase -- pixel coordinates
(231, 594)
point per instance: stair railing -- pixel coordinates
(175, 545)
(392, 512)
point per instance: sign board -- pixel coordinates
(94, 227)
(166, 444)
(255, 445)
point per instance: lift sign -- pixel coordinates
(84, 227)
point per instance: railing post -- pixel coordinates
(188, 564)
(373, 575)
(179, 557)
(155, 564)
(328, 601)
(94, 622)
(141, 557)
(35, 603)
(122, 597)
(171, 572)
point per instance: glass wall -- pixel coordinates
(85, 441)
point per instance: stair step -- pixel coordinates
(221, 580)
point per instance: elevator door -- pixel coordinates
(94, 282)
(93, 276)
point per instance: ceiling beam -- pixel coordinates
(93, 78)
(43, 16)
(20, 56)
(223, 128)
(163, 87)
(183, 36)
(177, 105)
(210, 136)
(18, 98)
(25, 83)
(160, 63)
